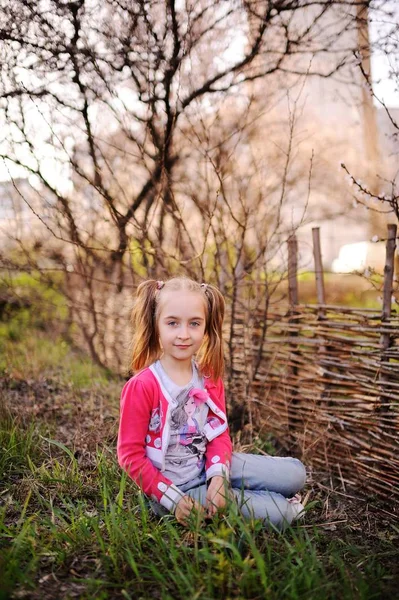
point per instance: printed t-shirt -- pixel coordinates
(184, 458)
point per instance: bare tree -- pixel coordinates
(112, 109)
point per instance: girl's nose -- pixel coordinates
(183, 333)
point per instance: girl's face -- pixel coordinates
(181, 325)
(189, 407)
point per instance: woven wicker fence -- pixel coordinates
(326, 384)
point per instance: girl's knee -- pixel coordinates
(295, 473)
(299, 473)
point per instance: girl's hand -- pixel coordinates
(185, 507)
(217, 494)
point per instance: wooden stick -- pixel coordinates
(293, 301)
(318, 263)
(293, 270)
(385, 339)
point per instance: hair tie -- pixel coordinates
(204, 286)
(160, 285)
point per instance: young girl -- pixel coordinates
(173, 434)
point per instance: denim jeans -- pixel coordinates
(261, 486)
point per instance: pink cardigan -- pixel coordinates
(144, 432)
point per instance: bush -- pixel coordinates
(27, 301)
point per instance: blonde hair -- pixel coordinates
(145, 346)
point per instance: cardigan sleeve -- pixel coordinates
(219, 450)
(135, 411)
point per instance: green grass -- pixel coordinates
(72, 525)
(89, 527)
(32, 345)
(29, 299)
(349, 290)
(35, 355)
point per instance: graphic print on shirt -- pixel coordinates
(155, 421)
(185, 424)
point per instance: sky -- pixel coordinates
(385, 87)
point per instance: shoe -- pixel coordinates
(297, 507)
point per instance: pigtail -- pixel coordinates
(145, 347)
(211, 354)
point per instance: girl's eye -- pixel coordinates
(195, 324)
(172, 323)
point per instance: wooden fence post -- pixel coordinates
(293, 301)
(292, 271)
(385, 339)
(318, 264)
(319, 274)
